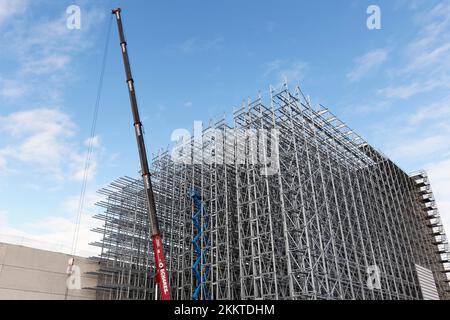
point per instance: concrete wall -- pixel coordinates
(27, 273)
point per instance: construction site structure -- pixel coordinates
(290, 204)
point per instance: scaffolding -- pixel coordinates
(296, 206)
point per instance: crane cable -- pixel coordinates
(87, 165)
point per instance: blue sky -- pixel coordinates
(195, 61)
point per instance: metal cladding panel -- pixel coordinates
(427, 284)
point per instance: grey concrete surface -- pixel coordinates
(28, 273)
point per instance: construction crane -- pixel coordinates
(158, 249)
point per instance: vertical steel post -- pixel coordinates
(161, 271)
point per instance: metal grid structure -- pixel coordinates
(299, 207)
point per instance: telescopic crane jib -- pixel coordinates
(158, 249)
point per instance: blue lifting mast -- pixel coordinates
(200, 268)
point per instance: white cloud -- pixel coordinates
(44, 51)
(410, 4)
(402, 92)
(428, 57)
(47, 37)
(188, 46)
(425, 60)
(294, 73)
(415, 148)
(439, 110)
(11, 89)
(94, 142)
(38, 137)
(70, 204)
(43, 139)
(284, 70)
(10, 8)
(272, 66)
(407, 91)
(79, 169)
(46, 65)
(2, 164)
(55, 233)
(193, 45)
(367, 63)
(3, 215)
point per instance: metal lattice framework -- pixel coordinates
(299, 206)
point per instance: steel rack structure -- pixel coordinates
(298, 206)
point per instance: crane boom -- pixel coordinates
(158, 249)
